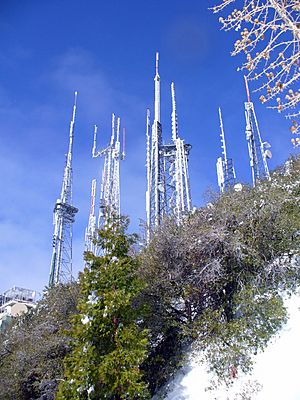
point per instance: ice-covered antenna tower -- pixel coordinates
(180, 172)
(225, 168)
(109, 204)
(90, 232)
(156, 190)
(258, 150)
(64, 216)
(168, 186)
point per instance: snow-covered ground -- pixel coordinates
(276, 370)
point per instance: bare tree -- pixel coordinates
(270, 39)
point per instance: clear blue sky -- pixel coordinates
(106, 51)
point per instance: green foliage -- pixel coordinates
(231, 343)
(219, 276)
(215, 282)
(33, 347)
(108, 344)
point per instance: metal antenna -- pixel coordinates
(157, 91)
(109, 205)
(95, 140)
(223, 144)
(148, 169)
(123, 144)
(174, 114)
(90, 232)
(247, 89)
(156, 179)
(180, 199)
(225, 168)
(168, 186)
(63, 218)
(258, 150)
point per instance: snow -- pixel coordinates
(90, 390)
(85, 319)
(276, 370)
(93, 298)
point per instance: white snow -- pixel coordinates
(276, 370)
(93, 298)
(85, 319)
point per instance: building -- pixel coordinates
(14, 302)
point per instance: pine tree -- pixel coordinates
(108, 344)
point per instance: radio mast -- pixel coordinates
(155, 166)
(63, 219)
(225, 168)
(182, 193)
(168, 186)
(90, 232)
(109, 204)
(258, 150)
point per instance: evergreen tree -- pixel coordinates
(108, 344)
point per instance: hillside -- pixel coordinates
(216, 283)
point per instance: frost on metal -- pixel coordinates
(109, 202)
(168, 184)
(63, 219)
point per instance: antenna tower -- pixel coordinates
(90, 232)
(63, 219)
(225, 167)
(168, 186)
(258, 150)
(109, 204)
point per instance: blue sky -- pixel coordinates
(106, 51)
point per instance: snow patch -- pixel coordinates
(275, 375)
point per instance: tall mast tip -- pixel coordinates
(156, 62)
(247, 89)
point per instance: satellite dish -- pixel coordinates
(268, 154)
(267, 145)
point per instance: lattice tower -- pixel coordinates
(258, 150)
(109, 204)
(168, 186)
(225, 167)
(63, 219)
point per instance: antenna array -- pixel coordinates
(258, 150)
(63, 219)
(168, 186)
(225, 167)
(109, 204)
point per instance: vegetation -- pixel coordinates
(32, 349)
(270, 39)
(108, 344)
(218, 278)
(214, 283)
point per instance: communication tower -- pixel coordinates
(109, 204)
(258, 150)
(63, 219)
(90, 231)
(168, 186)
(225, 167)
